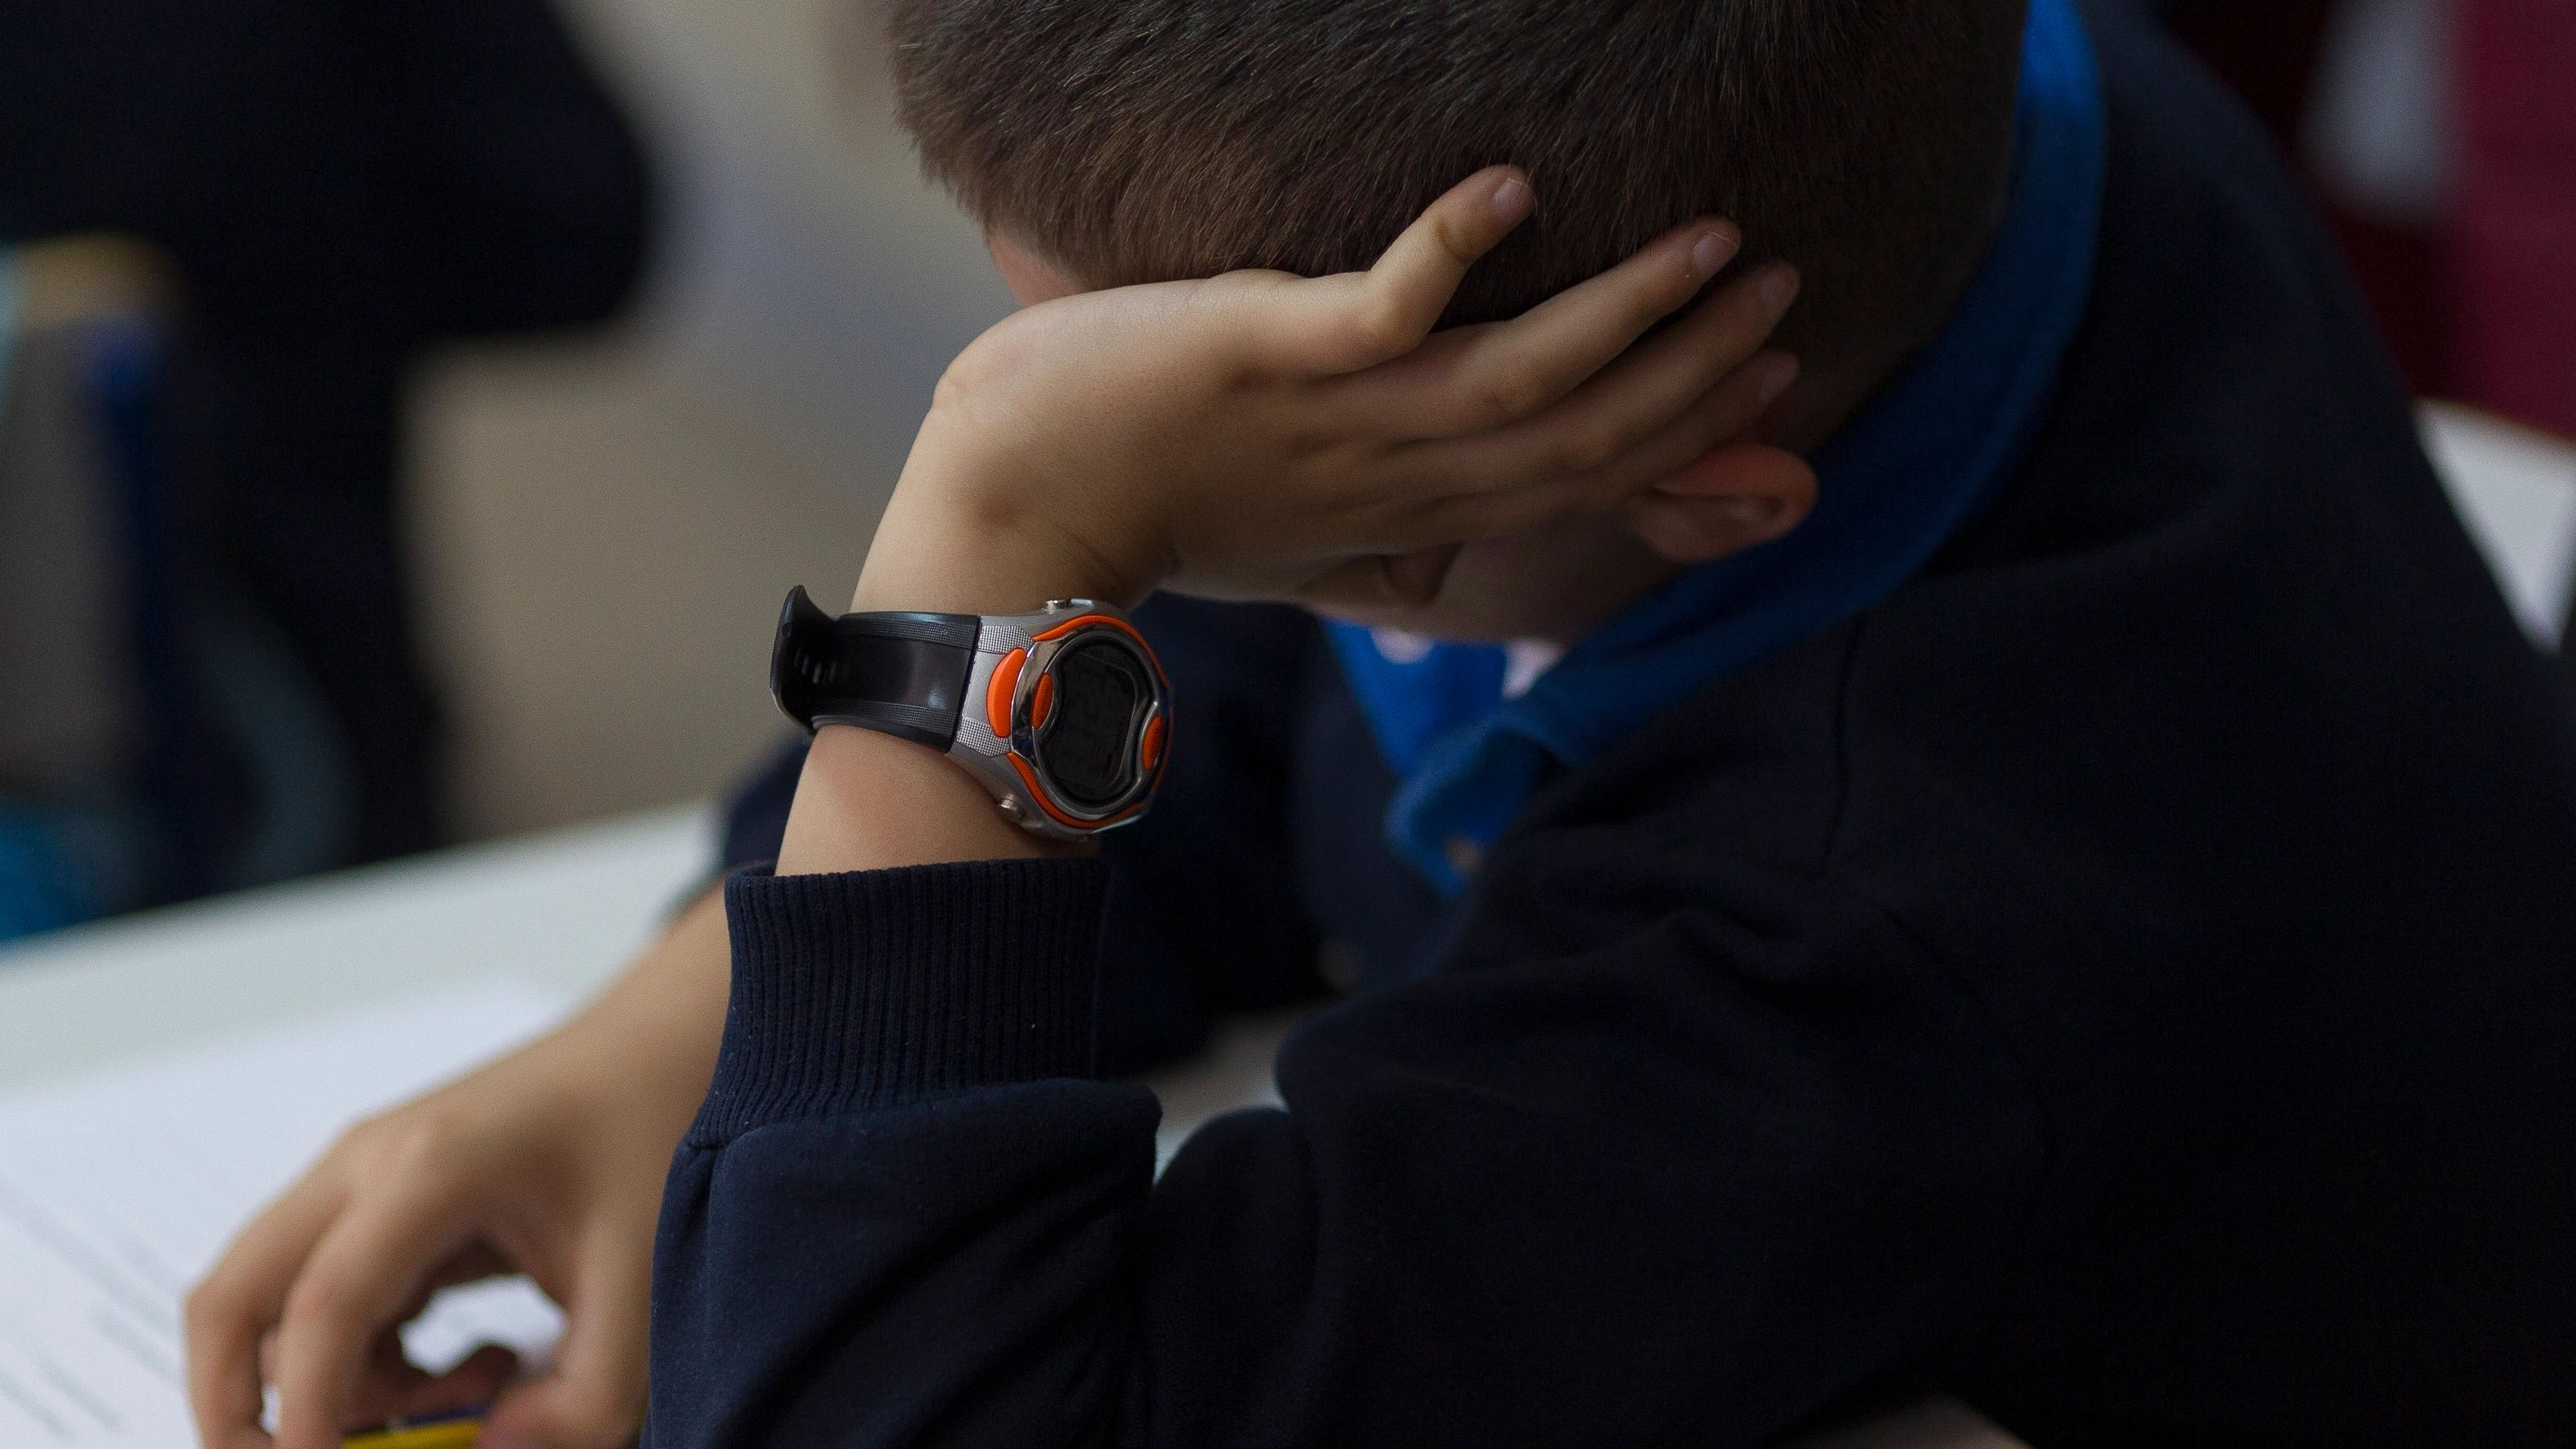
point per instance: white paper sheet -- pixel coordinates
(117, 1191)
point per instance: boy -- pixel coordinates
(2067, 903)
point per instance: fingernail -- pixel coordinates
(1783, 371)
(1512, 199)
(1711, 254)
(1779, 288)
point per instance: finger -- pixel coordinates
(1360, 319)
(229, 1314)
(474, 1263)
(1724, 415)
(1638, 397)
(595, 1396)
(395, 1388)
(1517, 369)
(390, 1386)
(1450, 501)
(367, 1267)
(1380, 581)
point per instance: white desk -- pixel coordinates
(557, 912)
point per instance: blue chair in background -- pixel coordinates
(207, 759)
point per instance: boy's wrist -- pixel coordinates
(870, 801)
(957, 538)
(963, 535)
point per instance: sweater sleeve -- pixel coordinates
(1203, 917)
(1699, 1181)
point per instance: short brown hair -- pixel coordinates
(1148, 140)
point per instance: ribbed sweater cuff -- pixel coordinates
(887, 986)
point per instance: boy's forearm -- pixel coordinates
(900, 1218)
(905, 1220)
(869, 801)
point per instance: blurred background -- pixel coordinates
(411, 416)
(672, 368)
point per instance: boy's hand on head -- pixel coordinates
(1262, 435)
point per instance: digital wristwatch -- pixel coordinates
(1064, 714)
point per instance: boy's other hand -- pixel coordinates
(1263, 435)
(550, 1162)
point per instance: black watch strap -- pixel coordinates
(901, 674)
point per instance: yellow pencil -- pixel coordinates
(443, 1434)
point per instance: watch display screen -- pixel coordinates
(1088, 747)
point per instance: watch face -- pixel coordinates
(1089, 745)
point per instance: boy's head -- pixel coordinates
(1153, 140)
(1112, 142)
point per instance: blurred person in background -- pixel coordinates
(2439, 141)
(226, 231)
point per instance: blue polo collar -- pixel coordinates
(1893, 485)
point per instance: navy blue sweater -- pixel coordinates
(2124, 979)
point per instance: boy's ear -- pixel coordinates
(1030, 279)
(1734, 497)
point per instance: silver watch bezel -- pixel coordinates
(1011, 765)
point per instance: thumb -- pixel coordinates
(594, 1396)
(1747, 469)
